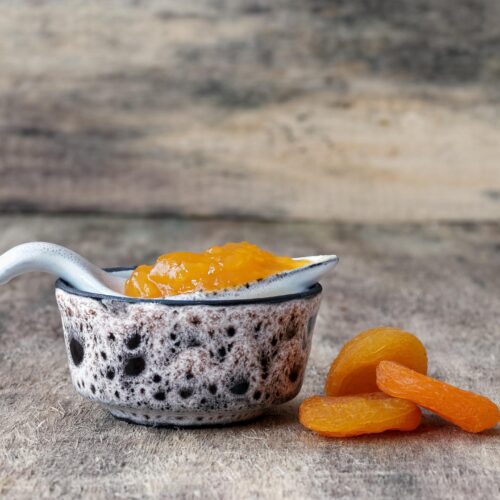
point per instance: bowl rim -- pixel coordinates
(312, 291)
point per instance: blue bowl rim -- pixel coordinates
(312, 291)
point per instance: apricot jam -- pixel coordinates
(217, 268)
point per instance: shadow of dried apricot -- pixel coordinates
(432, 427)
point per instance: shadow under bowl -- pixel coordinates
(166, 362)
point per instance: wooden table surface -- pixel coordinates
(439, 281)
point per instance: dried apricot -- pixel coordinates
(353, 371)
(472, 412)
(355, 415)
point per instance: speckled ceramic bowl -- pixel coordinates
(161, 362)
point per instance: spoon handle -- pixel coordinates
(60, 261)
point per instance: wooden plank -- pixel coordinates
(439, 281)
(275, 110)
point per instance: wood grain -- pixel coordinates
(355, 111)
(436, 280)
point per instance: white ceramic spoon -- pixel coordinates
(85, 276)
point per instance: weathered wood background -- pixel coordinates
(288, 109)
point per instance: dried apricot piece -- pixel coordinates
(355, 415)
(472, 412)
(353, 371)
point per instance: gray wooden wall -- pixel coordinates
(299, 109)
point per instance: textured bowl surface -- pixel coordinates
(189, 363)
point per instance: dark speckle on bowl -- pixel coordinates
(76, 350)
(133, 341)
(134, 366)
(240, 387)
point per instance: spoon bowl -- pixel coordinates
(294, 280)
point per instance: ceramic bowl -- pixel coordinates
(161, 362)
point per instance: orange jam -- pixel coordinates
(217, 268)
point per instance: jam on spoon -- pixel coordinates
(217, 268)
